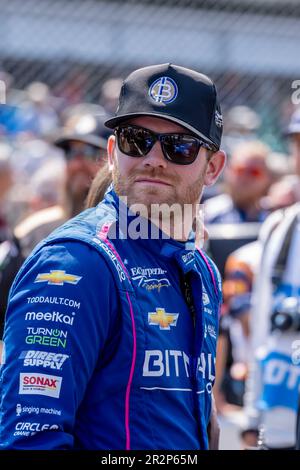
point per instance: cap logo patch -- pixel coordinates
(218, 119)
(163, 90)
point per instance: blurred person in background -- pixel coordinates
(6, 183)
(271, 397)
(246, 180)
(232, 350)
(274, 379)
(241, 125)
(44, 205)
(240, 271)
(85, 152)
(10, 254)
(36, 114)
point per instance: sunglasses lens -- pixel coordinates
(177, 148)
(180, 149)
(134, 141)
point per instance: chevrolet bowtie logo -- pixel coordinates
(162, 318)
(57, 278)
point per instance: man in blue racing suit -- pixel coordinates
(112, 322)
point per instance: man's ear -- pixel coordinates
(111, 145)
(214, 168)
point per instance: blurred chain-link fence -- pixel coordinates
(250, 48)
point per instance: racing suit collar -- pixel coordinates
(162, 244)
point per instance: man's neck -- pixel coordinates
(179, 224)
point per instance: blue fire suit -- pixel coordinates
(102, 350)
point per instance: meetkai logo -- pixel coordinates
(55, 317)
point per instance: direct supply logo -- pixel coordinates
(40, 384)
(45, 359)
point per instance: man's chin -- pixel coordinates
(149, 196)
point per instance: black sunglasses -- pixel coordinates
(181, 149)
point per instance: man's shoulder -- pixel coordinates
(65, 262)
(83, 225)
(84, 239)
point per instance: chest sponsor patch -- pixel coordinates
(40, 384)
(162, 319)
(151, 279)
(43, 359)
(57, 278)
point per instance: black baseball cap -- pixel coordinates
(175, 93)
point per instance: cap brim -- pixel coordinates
(95, 141)
(114, 122)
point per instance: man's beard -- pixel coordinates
(124, 186)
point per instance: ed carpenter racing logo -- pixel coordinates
(145, 278)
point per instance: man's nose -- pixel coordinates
(155, 158)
